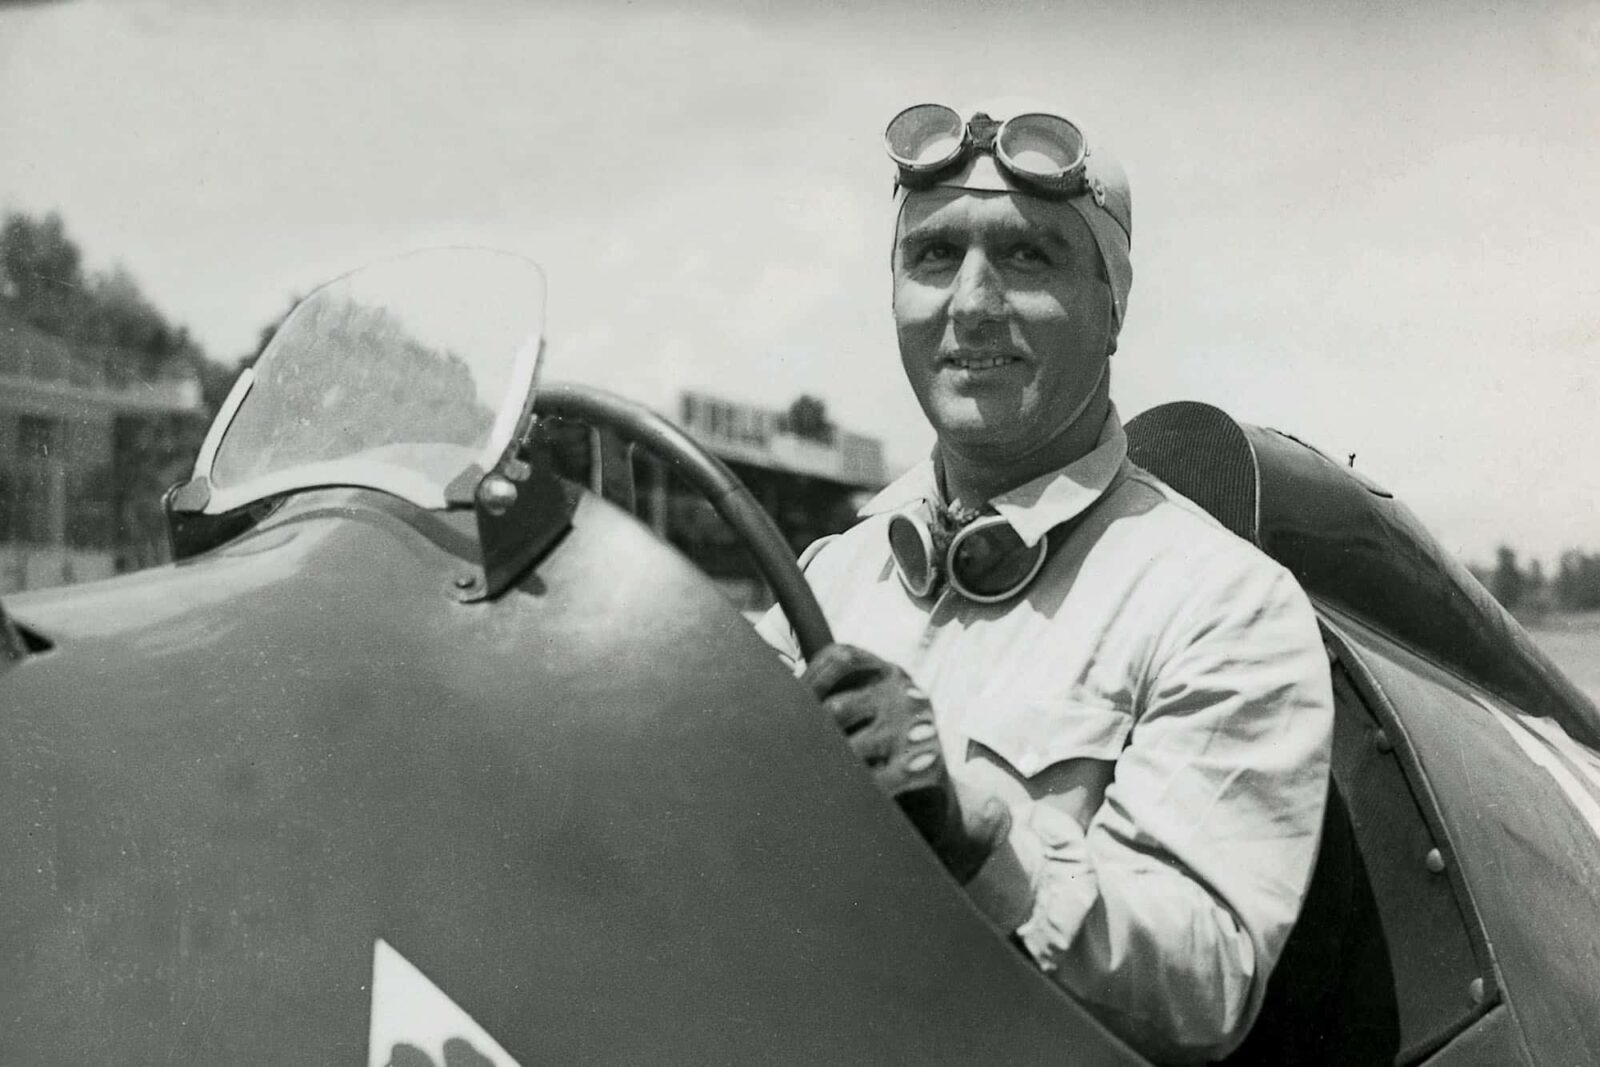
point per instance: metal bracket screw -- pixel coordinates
(497, 493)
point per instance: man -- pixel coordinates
(1108, 715)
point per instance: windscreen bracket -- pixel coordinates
(191, 530)
(522, 509)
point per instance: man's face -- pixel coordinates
(1003, 315)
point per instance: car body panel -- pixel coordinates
(1491, 1041)
(1432, 945)
(596, 812)
(1522, 853)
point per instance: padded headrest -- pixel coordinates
(1204, 454)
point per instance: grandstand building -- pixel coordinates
(809, 475)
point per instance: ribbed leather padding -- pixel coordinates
(1202, 453)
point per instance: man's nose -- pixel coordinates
(978, 295)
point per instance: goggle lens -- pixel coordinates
(912, 546)
(989, 561)
(925, 137)
(1044, 147)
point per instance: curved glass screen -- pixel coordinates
(399, 377)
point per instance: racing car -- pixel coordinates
(422, 753)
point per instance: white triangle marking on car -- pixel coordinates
(415, 1024)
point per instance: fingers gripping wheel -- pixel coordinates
(643, 427)
(889, 724)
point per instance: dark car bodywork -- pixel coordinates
(591, 811)
(598, 813)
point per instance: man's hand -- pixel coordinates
(889, 723)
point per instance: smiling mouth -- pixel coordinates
(979, 363)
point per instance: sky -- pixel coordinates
(1371, 225)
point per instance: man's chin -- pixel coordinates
(974, 436)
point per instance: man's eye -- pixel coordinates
(1029, 256)
(935, 254)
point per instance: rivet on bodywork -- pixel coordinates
(1475, 991)
(1382, 742)
(1435, 861)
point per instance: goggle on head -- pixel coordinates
(1044, 153)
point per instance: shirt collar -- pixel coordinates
(1032, 508)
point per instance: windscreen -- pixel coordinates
(398, 377)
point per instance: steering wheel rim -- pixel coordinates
(639, 425)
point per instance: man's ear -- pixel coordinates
(1111, 346)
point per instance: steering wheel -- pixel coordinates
(640, 426)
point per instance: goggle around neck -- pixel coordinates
(1044, 152)
(984, 560)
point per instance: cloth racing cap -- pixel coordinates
(1107, 207)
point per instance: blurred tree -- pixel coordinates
(41, 273)
(1537, 596)
(1577, 582)
(267, 332)
(369, 383)
(150, 453)
(808, 417)
(118, 314)
(217, 377)
(1508, 584)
